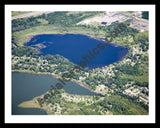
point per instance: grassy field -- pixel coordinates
(16, 13)
(143, 78)
(24, 36)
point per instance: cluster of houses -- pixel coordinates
(137, 92)
(77, 98)
(30, 63)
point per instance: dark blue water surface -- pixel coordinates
(74, 46)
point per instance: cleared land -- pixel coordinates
(29, 104)
(117, 17)
(35, 13)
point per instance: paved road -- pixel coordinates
(34, 13)
(132, 17)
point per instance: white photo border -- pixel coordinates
(9, 118)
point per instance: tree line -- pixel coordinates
(61, 18)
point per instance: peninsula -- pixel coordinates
(124, 83)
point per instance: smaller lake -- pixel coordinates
(26, 86)
(74, 46)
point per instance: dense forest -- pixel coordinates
(145, 15)
(21, 51)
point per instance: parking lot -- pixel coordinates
(109, 18)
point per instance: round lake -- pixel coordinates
(78, 48)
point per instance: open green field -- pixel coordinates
(24, 36)
(143, 78)
(16, 13)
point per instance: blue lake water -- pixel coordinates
(26, 86)
(74, 46)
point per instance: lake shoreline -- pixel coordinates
(61, 33)
(51, 74)
(33, 103)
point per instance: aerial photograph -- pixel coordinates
(80, 62)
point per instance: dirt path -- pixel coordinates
(34, 13)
